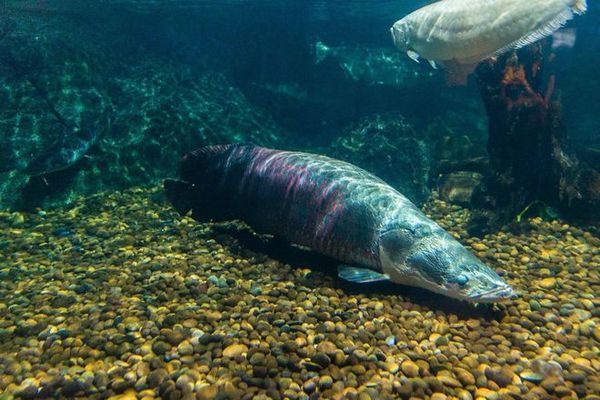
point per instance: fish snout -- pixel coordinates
(399, 36)
(500, 292)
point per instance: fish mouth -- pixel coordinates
(503, 292)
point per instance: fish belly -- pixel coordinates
(471, 30)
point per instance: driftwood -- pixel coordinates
(530, 159)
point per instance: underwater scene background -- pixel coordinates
(107, 292)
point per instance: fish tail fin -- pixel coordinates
(180, 194)
(578, 6)
(195, 167)
(198, 190)
(186, 197)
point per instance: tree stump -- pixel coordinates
(530, 159)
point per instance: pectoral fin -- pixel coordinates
(413, 55)
(360, 275)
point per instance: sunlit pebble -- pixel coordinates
(390, 341)
(247, 303)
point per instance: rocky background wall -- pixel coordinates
(105, 97)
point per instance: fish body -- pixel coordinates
(468, 31)
(335, 209)
(71, 147)
(372, 66)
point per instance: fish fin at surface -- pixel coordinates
(180, 194)
(542, 32)
(360, 275)
(457, 73)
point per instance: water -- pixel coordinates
(108, 291)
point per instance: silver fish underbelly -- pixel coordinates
(468, 31)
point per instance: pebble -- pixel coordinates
(160, 347)
(206, 391)
(409, 368)
(321, 359)
(327, 347)
(392, 367)
(325, 382)
(198, 314)
(550, 383)
(235, 350)
(185, 348)
(28, 389)
(464, 376)
(562, 391)
(449, 381)
(532, 376)
(548, 283)
(308, 386)
(502, 376)
(586, 328)
(464, 395)
(479, 246)
(485, 393)
(438, 396)
(156, 377)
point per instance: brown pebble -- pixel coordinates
(486, 393)
(449, 381)
(547, 283)
(235, 350)
(409, 368)
(464, 376)
(502, 376)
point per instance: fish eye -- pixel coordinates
(462, 280)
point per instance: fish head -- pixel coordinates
(430, 258)
(401, 34)
(321, 51)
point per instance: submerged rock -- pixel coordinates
(389, 147)
(81, 119)
(459, 187)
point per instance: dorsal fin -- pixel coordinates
(540, 33)
(201, 159)
(214, 149)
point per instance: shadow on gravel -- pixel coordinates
(323, 266)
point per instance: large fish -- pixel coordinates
(73, 145)
(374, 66)
(468, 31)
(336, 209)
